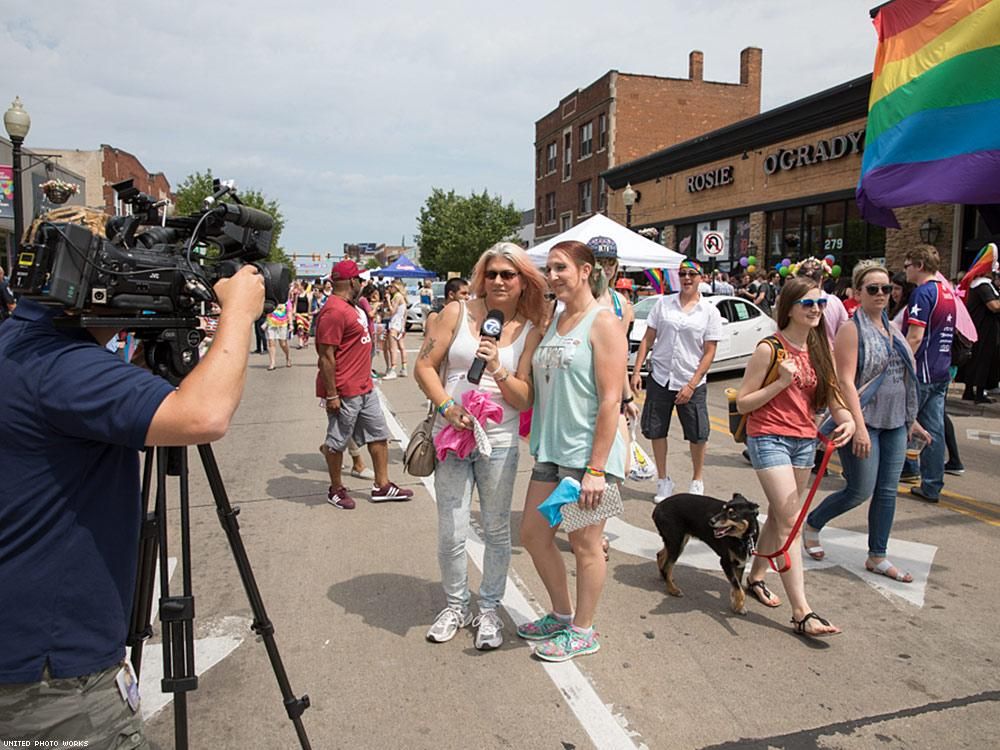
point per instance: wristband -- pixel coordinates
(506, 374)
(445, 405)
(628, 400)
(334, 396)
(594, 472)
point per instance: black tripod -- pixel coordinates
(171, 350)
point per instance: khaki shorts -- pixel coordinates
(72, 712)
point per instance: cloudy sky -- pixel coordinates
(349, 113)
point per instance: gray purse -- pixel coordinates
(420, 457)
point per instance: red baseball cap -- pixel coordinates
(344, 270)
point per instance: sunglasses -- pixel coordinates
(505, 275)
(874, 289)
(692, 274)
(808, 304)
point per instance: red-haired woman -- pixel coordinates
(504, 279)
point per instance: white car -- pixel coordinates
(743, 325)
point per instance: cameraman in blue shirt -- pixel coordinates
(73, 418)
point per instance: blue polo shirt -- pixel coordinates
(73, 417)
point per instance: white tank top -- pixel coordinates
(460, 357)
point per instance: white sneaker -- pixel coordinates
(390, 374)
(447, 623)
(402, 371)
(664, 489)
(697, 487)
(488, 635)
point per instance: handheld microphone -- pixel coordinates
(492, 327)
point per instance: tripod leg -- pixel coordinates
(176, 612)
(140, 627)
(261, 624)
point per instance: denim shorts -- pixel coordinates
(546, 471)
(768, 451)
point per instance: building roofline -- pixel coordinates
(841, 103)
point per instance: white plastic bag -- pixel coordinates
(642, 466)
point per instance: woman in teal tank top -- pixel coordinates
(578, 371)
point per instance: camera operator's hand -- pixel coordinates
(242, 293)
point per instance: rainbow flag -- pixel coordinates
(933, 133)
(984, 264)
(660, 280)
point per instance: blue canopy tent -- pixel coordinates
(404, 268)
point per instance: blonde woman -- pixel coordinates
(394, 340)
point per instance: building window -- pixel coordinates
(586, 197)
(602, 132)
(602, 195)
(538, 163)
(550, 208)
(586, 139)
(539, 215)
(567, 154)
(566, 221)
(551, 156)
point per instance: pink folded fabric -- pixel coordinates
(963, 321)
(482, 408)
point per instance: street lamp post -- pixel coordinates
(17, 123)
(628, 198)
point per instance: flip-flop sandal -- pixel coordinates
(270, 367)
(883, 569)
(759, 591)
(810, 543)
(800, 626)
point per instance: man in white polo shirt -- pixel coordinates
(683, 331)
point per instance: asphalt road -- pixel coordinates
(352, 593)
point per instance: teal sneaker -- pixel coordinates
(541, 629)
(566, 644)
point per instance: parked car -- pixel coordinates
(416, 313)
(743, 326)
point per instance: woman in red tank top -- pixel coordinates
(781, 435)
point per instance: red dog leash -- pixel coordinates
(827, 454)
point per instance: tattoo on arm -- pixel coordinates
(425, 350)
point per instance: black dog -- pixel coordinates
(728, 528)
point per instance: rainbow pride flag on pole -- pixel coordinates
(933, 133)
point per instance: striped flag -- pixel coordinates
(933, 133)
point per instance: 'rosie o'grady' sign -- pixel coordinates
(827, 149)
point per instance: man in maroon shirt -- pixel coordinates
(344, 382)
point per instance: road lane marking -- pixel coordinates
(848, 549)
(993, 437)
(605, 729)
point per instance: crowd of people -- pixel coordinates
(863, 370)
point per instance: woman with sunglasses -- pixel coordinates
(781, 435)
(877, 376)
(504, 279)
(683, 332)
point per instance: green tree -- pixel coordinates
(454, 230)
(195, 188)
(372, 264)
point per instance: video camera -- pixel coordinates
(146, 264)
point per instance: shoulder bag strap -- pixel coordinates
(443, 367)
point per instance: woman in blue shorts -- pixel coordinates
(781, 435)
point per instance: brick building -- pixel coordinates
(781, 185)
(107, 165)
(621, 117)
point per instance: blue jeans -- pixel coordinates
(874, 477)
(493, 477)
(931, 417)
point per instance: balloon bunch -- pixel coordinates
(749, 262)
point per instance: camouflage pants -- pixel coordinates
(73, 712)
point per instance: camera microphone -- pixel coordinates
(492, 327)
(244, 216)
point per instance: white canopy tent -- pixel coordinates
(634, 250)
